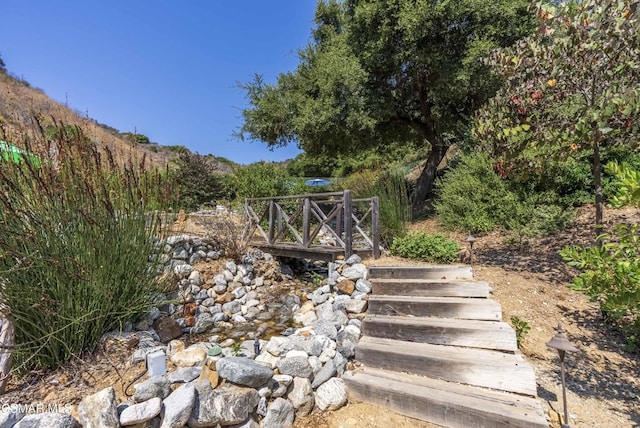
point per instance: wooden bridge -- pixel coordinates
(319, 226)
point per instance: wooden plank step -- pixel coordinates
(478, 367)
(441, 331)
(430, 287)
(444, 403)
(442, 307)
(422, 272)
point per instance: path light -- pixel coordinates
(471, 240)
(562, 344)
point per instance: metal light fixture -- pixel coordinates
(471, 240)
(562, 345)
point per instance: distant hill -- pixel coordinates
(22, 106)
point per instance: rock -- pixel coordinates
(225, 406)
(196, 278)
(209, 375)
(301, 396)
(325, 311)
(340, 362)
(355, 272)
(267, 360)
(47, 420)
(99, 410)
(326, 372)
(275, 344)
(190, 357)
(331, 395)
(234, 306)
(174, 347)
(356, 306)
(359, 295)
(346, 286)
(279, 385)
(204, 321)
(167, 328)
(10, 418)
(280, 414)
(305, 319)
(295, 366)
(346, 344)
(363, 286)
(324, 327)
(318, 299)
(141, 412)
(339, 319)
(243, 371)
(231, 267)
(249, 423)
(327, 354)
(183, 270)
(178, 406)
(156, 386)
(184, 374)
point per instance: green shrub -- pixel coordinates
(473, 198)
(261, 179)
(75, 242)
(429, 248)
(198, 181)
(521, 327)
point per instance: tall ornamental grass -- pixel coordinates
(75, 247)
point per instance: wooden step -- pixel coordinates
(422, 272)
(478, 367)
(442, 307)
(430, 287)
(444, 403)
(440, 331)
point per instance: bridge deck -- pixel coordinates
(313, 252)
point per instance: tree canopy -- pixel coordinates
(386, 72)
(573, 88)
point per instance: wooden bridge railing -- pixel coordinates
(314, 224)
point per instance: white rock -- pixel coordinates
(331, 395)
(190, 357)
(178, 406)
(301, 396)
(141, 412)
(99, 410)
(296, 353)
(279, 385)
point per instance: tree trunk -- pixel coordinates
(424, 185)
(597, 181)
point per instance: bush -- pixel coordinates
(75, 242)
(473, 198)
(428, 248)
(261, 179)
(199, 182)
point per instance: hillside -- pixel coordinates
(21, 105)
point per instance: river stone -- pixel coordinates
(331, 395)
(325, 311)
(324, 327)
(346, 286)
(340, 362)
(183, 270)
(195, 278)
(295, 366)
(339, 319)
(184, 374)
(226, 406)
(326, 372)
(190, 357)
(353, 259)
(268, 360)
(167, 328)
(301, 396)
(279, 385)
(233, 306)
(243, 371)
(141, 412)
(249, 423)
(355, 272)
(280, 414)
(47, 420)
(363, 286)
(156, 386)
(10, 418)
(356, 306)
(99, 410)
(178, 406)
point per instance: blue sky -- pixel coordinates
(167, 69)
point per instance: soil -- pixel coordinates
(529, 280)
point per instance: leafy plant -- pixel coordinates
(198, 180)
(75, 246)
(521, 327)
(430, 248)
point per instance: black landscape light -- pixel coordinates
(562, 344)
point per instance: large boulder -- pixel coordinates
(243, 371)
(226, 406)
(331, 395)
(178, 406)
(280, 414)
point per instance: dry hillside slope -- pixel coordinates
(21, 104)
